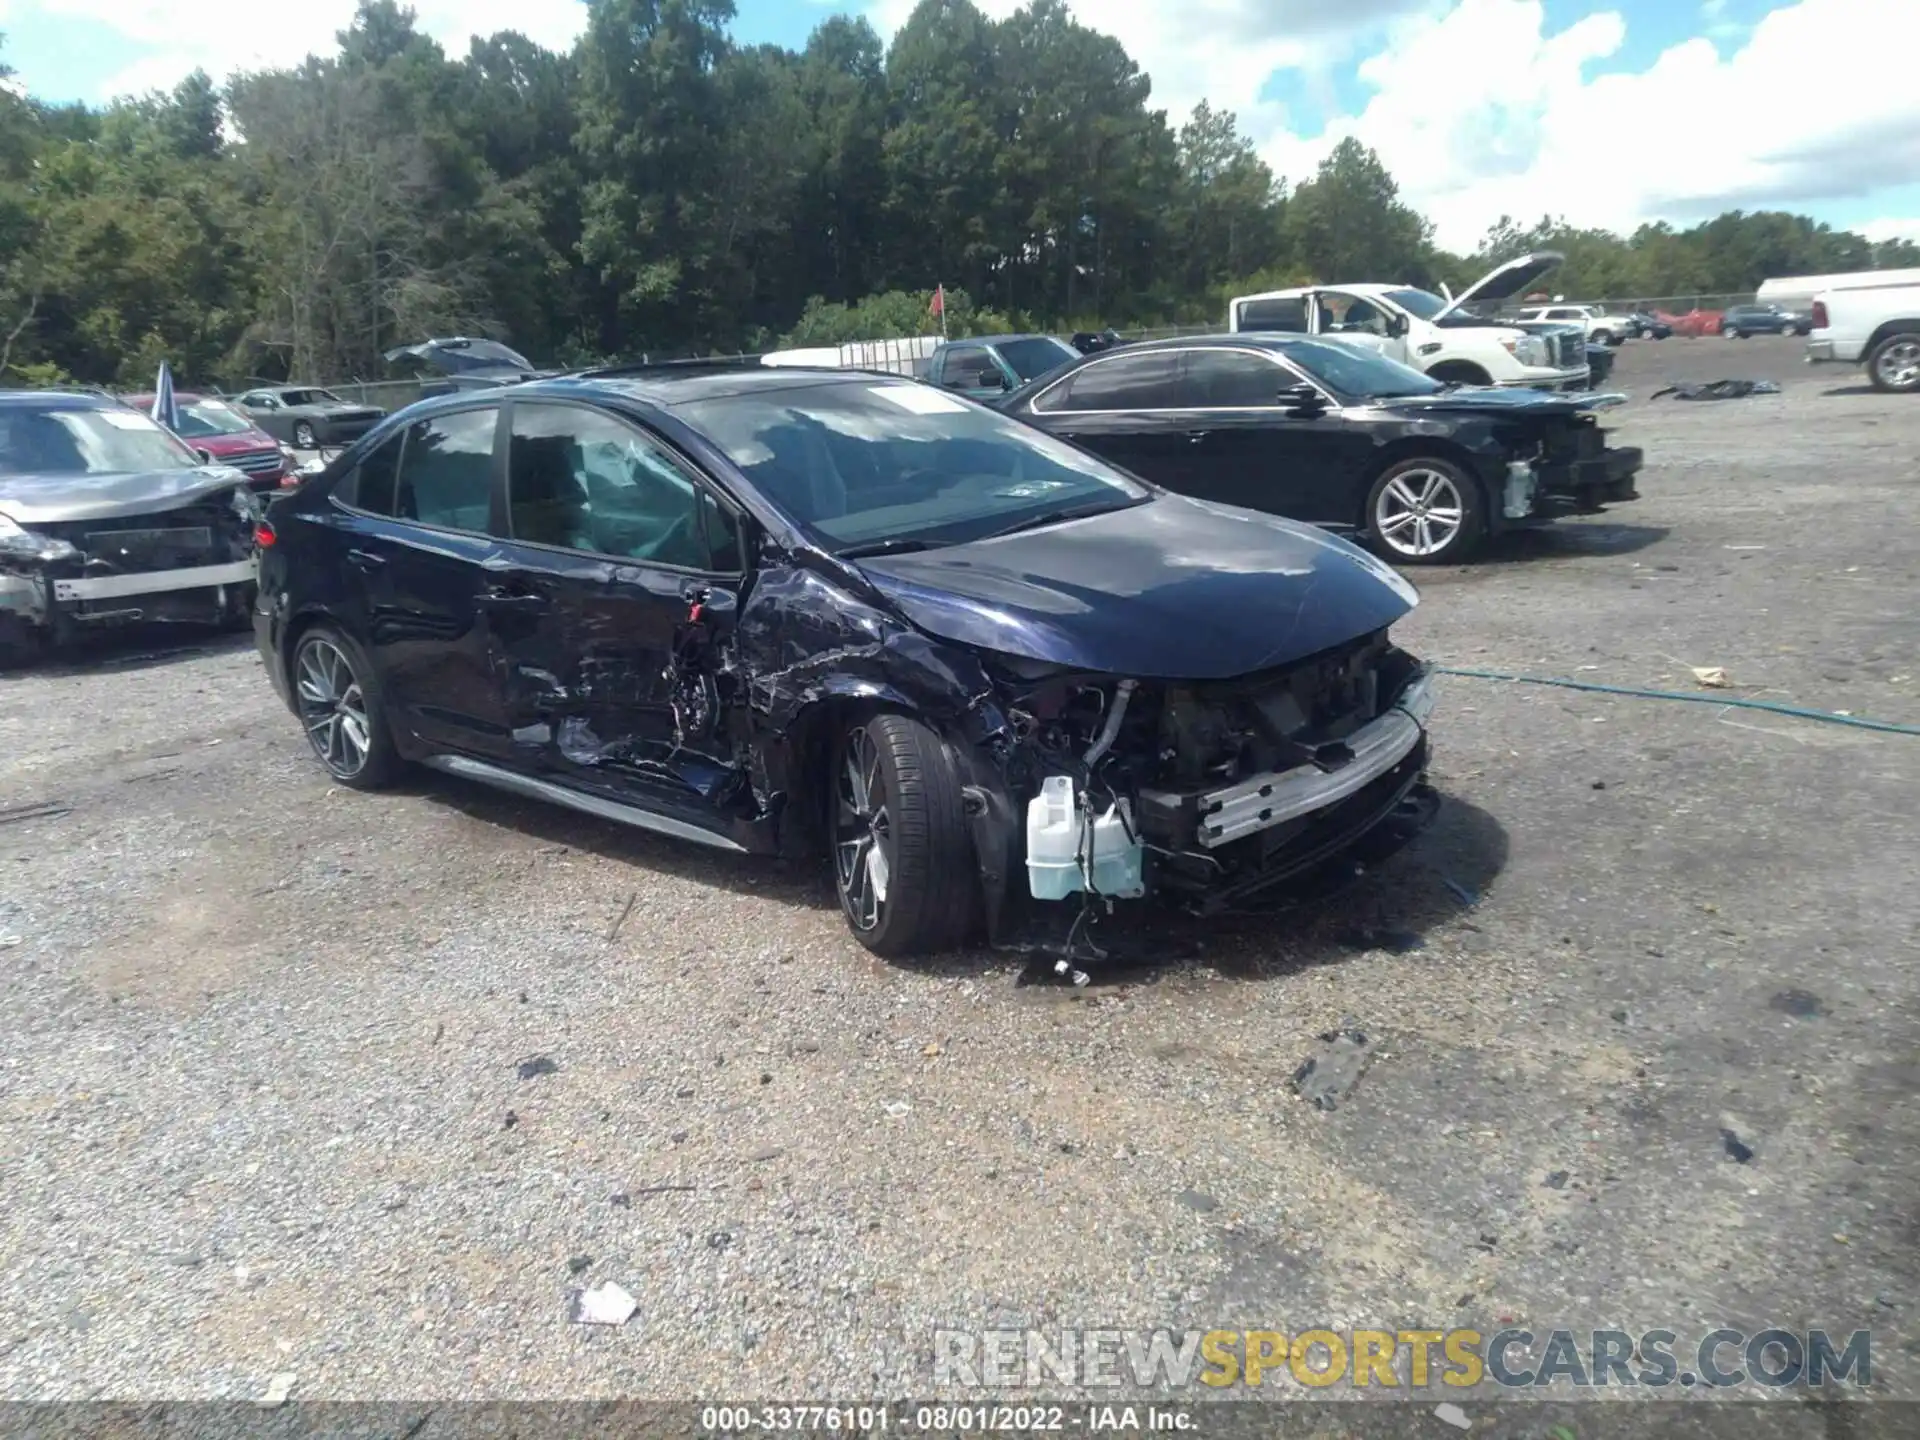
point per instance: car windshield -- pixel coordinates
(36, 441)
(864, 465)
(206, 419)
(1033, 358)
(1359, 373)
(1422, 303)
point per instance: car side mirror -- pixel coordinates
(1303, 398)
(205, 457)
(1396, 325)
(990, 379)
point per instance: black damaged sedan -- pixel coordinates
(822, 611)
(1328, 432)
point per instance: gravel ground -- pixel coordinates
(261, 1099)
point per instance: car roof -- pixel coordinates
(59, 400)
(1245, 340)
(1370, 287)
(665, 386)
(1002, 339)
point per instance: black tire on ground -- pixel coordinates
(304, 437)
(21, 642)
(238, 614)
(1459, 372)
(380, 762)
(1897, 380)
(1414, 476)
(916, 813)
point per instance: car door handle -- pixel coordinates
(365, 560)
(494, 598)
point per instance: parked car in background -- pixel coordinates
(1601, 327)
(1646, 325)
(782, 611)
(1874, 326)
(108, 518)
(307, 417)
(1431, 333)
(215, 427)
(984, 366)
(1737, 322)
(1325, 431)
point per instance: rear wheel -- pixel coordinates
(338, 698)
(902, 860)
(1426, 512)
(1894, 365)
(1734, 334)
(304, 437)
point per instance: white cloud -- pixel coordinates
(221, 36)
(1890, 229)
(1478, 112)
(1220, 51)
(1692, 134)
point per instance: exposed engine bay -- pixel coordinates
(1207, 793)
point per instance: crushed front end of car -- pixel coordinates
(1207, 795)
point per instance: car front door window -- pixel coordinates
(1227, 380)
(1342, 314)
(586, 481)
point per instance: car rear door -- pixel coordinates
(1120, 407)
(620, 572)
(415, 519)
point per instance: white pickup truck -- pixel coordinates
(1434, 333)
(1876, 325)
(1601, 328)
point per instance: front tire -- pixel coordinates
(304, 437)
(341, 707)
(1426, 512)
(902, 860)
(1894, 365)
(1459, 372)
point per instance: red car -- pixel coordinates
(212, 425)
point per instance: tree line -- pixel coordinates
(661, 189)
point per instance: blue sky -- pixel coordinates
(1608, 113)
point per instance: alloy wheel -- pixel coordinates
(304, 437)
(862, 832)
(1898, 366)
(333, 708)
(1419, 513)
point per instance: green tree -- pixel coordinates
(1349, 223)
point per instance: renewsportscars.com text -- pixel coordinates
(1513, 1358)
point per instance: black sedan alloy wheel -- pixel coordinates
(339, 705)
(902, 859)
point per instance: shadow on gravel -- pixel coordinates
(804, 882)
(1436, 878)
(134, 648)
(1570, 538)
(1851, 390)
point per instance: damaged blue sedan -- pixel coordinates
(1001, 683)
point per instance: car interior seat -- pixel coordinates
(550, 504)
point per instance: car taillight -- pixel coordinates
(263, 535)
(1819, 314)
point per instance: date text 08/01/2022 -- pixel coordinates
(866, 1419)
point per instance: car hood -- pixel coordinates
(1503, 282)
(240, 444)
(1505, 400)
(49, 499)
(1173, 589)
